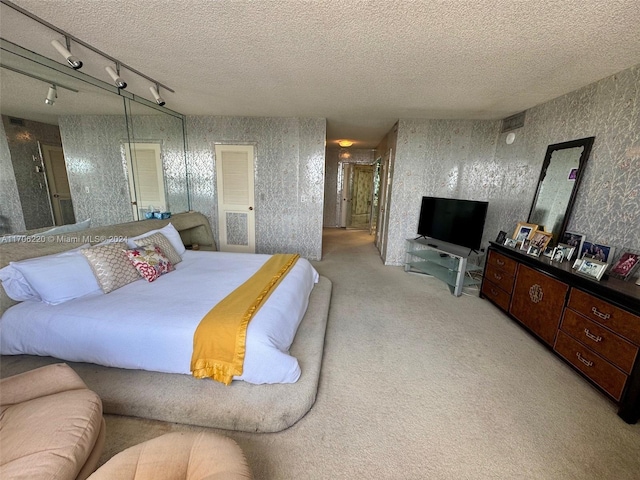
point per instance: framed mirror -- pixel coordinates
(558, 184)
(70, 158)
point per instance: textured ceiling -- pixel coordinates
(360, 64)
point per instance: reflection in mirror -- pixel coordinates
(79, 136)
(558, 184)
(155, 164)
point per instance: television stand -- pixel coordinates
(443, 264)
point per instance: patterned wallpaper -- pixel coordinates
(11, 218)
(289, 177)
(470, 159)
(32, 187)
(454, 159)
(93, 146)
(607, 207)
(333, 180)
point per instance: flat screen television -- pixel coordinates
(460, 222)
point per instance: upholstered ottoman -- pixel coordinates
(178, 456)
(51, 425)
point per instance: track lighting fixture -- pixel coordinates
(155, 92)
(120, 83)
(63, 47)
(73, 62)
(52, 94)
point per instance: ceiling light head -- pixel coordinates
(117, 79)
(73, 62)
(345, 143)
(52, 94)
(154, 91)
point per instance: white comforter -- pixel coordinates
(150, 326)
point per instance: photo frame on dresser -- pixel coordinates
(541, 239)
(592, 268)
(573, 239)
(602, 253)
(524, 231)
(626, 266)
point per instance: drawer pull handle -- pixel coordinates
(497, 277)
(598, 313)
(595, 338)
(584, 360)
(500, 262)
(494, 292)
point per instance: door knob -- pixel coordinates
(250, 208)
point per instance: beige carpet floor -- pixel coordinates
(418, 384)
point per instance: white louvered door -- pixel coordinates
(235, 187)
(146, 178)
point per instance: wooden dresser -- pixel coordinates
(594, 326)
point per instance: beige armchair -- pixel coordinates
(51, 425)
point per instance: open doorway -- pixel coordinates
(357, 197)
(57, 183)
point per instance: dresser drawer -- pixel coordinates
(614, 348)
(500, 278)
(496, 294)
(501, 262)
(608, 377)
(614, 318)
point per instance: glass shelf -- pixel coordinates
(448, 267)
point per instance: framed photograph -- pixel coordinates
(524, 231)
(548, 252)
(525, 245)
(592, 268)
(602, 253)
(625, 266)
(501, 237)
(558, 255)
(573, 239)
(567, 250)
(534, 251)
(541, 239)
(510, 242)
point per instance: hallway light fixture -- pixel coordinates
(155, 91)
(345, 143)
(73, 62)
(115, 75)
(510, 138)
(52, 94)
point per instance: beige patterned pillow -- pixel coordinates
(111, 266)
(164, 244)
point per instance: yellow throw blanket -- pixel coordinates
(219, 341)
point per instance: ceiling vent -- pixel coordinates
(16, 121)
(513, 122)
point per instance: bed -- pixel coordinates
(150, 325)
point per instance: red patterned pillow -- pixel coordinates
(149, 261)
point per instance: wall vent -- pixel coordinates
(16, 121)
(513, 122)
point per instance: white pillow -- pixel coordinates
(16, 286)
(59, 278)
(168, 231)
(70, 228)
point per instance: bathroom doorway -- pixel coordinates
(358, 188)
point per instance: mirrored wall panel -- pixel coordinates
(72, 149)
